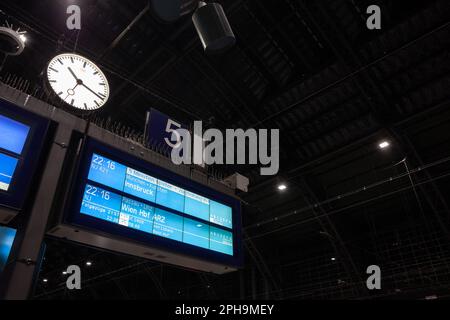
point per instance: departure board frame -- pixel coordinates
(28, 159)
(74, 217)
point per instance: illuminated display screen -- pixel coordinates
(22, 138)
(121, 195)
(7, 236)
(119, 177)
(13, 135)
(206, 229)
(7, 168)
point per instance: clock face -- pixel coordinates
(78, 81)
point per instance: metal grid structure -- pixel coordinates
(333, 88)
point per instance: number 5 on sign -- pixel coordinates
(171, 129)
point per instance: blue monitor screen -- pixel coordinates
(133, 182)
(7, 168)
(13, 135)
(137, 200)
(7, 236)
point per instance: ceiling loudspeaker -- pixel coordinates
(171, 10)
(213, 27)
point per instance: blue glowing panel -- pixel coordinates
(7, 236)
(221, 240)
(168, 225)
(170, 196)
(101, 204)
(13, 135)
(196, 206)
(221, 214)
(140, 185)
(196, 233)
(136, 215)
(107, 172)
(7, 167)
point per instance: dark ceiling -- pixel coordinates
(334, 89)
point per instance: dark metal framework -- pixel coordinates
(334, 89)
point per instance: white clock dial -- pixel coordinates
(78, 81)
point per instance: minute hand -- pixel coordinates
(101, 98)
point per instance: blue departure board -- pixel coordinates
(7, 168)
(125, 196)
(7, 236)
(13, 135)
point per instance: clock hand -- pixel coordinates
(101, 98)
(73, 73)
(71, 90)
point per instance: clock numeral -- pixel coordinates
(51, 81)
(101, 95)
(84, 65)
(60, 93)
(71, 59)
(71, 102)
(60, 61)
(54, 70)
(85, 106)
(97, 103)
(96, 73)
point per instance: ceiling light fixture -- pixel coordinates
(282, 187)
(384, 144)
(89, 263)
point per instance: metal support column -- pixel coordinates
(19, 274)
